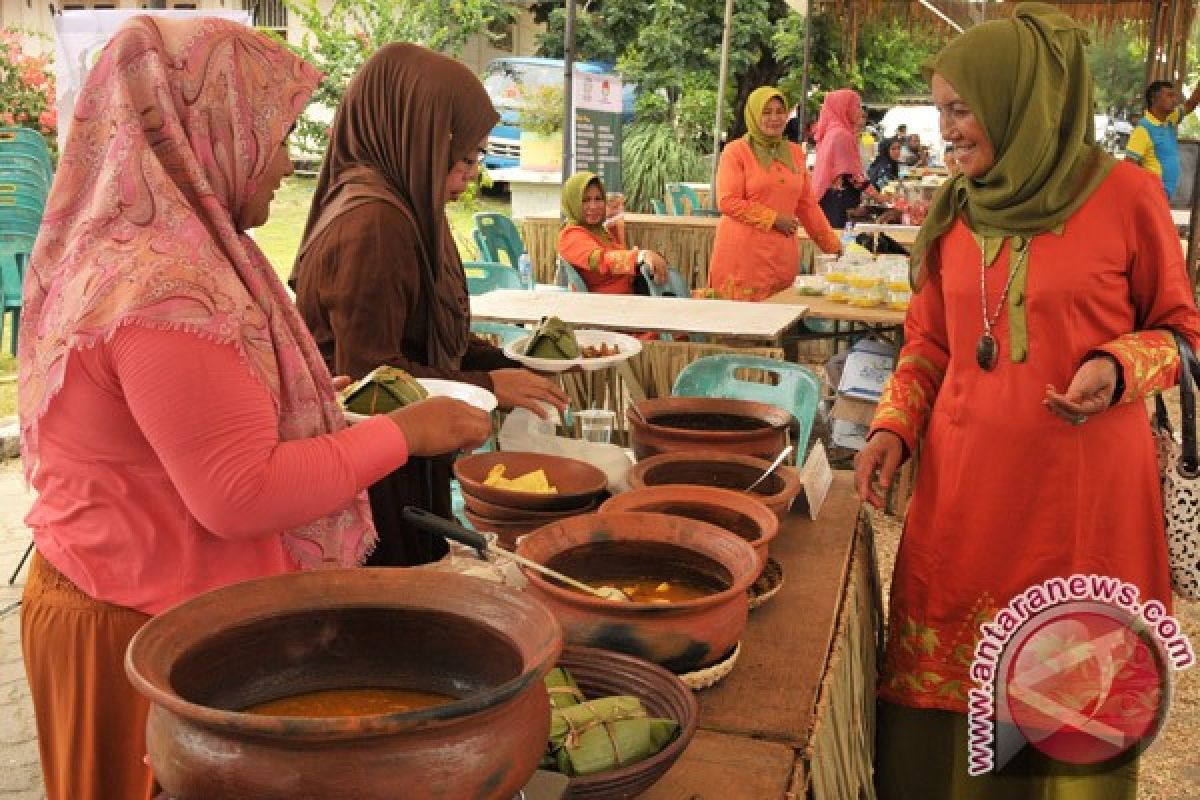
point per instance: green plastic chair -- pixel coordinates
(502, 333)
(569, 277)
(675, 286)
(29, 142)
(486, 276)
(796, 392)
(499, 237)
(680, 193)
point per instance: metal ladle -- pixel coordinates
(452, 530)
(787, 451)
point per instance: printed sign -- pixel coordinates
(597, 100)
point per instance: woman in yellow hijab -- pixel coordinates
(764, 196)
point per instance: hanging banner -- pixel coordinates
(81, 35)
(598, 105)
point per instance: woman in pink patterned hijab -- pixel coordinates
(177, 420)
(838, 176)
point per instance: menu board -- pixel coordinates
(597, 101)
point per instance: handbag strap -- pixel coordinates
(1189, 465)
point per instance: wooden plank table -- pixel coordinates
(724, 319)
(797, 711)
(821, 307)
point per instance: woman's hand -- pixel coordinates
(786, 224)
(883, 455)
(440, 425)
(520, 388)
(657, 264)
(1090, 392)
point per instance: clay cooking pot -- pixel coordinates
(708, 423)
(724, 471)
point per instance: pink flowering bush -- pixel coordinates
(27, 97)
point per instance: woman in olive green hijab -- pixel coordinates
(593, 241)
(764, 196)
(1048, 278)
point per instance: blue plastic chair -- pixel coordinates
(486, 276)
(796, 392)
(569, 277)
(675, 286)
(500, 332)
(683, 197)
(499, 238)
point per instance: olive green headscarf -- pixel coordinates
(766, 148)
(572, 202)
(1026, 80)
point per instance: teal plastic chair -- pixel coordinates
(569, 277)
(675, 286)
(796, 392)
(501, 333)
(24, 168)
(480, 245)
(29, 142)
(16, 243)
(19, 185)
(499, 238)
(21, 200)
(658, 205)
(680, 193)
(486, 276)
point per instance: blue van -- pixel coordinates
(506, 79)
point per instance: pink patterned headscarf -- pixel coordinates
(171, 133)
(837, 140)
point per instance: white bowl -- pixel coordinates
(469, 393)
(627, 345)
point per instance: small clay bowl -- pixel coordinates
(673, 424)
(721, 470)
(737, 512)
(578, 483)
(604, 673)
(599, 548)
(499, 513)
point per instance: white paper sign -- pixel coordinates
(596, 91)
(816, 477)
(81, 35)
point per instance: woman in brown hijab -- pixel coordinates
(378, 278)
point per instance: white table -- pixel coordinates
(724, 319)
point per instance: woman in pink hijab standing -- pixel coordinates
(177, 420)
(839, 178)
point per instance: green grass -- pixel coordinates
(279, 240)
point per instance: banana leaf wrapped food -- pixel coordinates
(606, 733)
(553, 339)
(562, 688)
(384, 389)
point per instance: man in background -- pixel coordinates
(1154, 143)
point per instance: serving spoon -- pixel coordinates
(787, 451)
(452, 530)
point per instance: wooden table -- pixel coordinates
(848, 321)
(724, 319)
(797, 714)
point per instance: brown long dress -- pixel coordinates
(378, 278)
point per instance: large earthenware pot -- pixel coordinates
(203, 662)
(724, 471)
(673, 424)
(602, 549)
(737, 512)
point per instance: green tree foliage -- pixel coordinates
(342, 37)
(654, 155)
(1117, 58)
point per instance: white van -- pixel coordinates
(921, 120)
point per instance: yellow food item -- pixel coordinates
(535, 482)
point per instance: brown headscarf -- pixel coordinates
(407, 117)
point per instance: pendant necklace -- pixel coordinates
(987, 350)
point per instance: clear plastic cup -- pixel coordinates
(596, 425)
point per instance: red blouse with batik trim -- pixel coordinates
(606, 267)
(1008, 494)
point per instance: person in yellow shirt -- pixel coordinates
(1154, 142)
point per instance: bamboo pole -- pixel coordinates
(568, 92)
(726, 34)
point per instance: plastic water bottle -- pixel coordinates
(847, 236)
(525, 270)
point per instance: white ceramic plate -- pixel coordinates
(628, 346)
(467, 392)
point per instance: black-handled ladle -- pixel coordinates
(452, 530)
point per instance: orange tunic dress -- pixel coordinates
(606, 267)
(750, 259)
(1009, 495)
